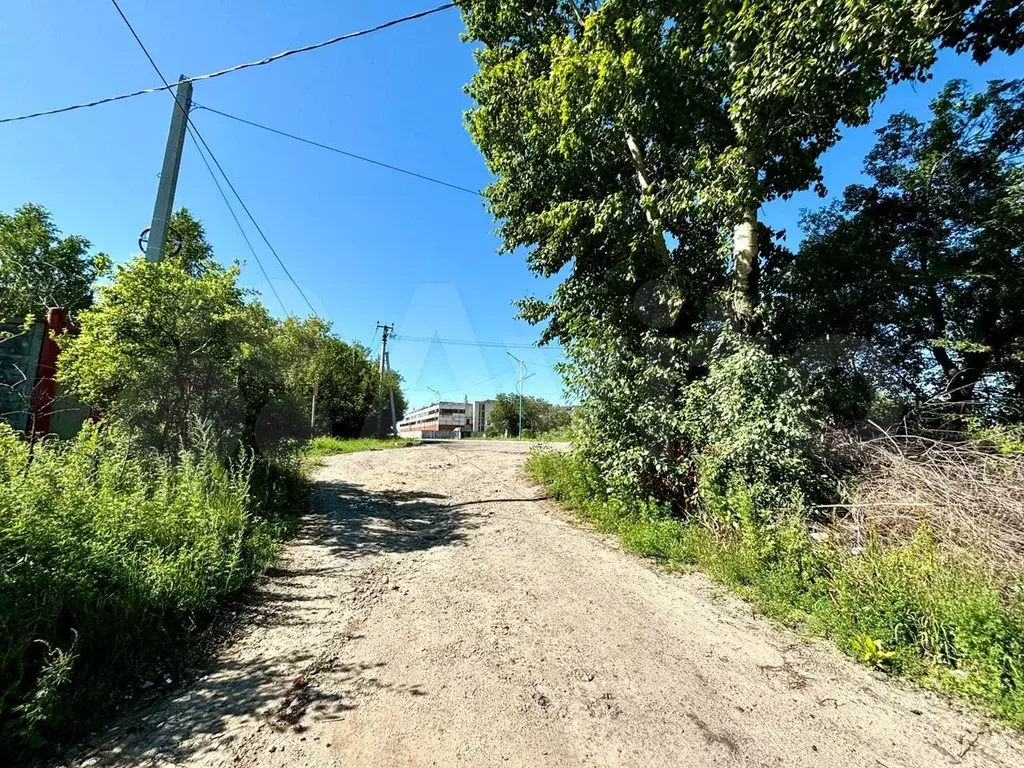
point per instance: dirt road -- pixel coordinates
(434, 612)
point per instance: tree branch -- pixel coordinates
(642, 175)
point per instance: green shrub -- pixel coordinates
(911, 610)
(111, 561)
(657, 427)
(1006, 439)
(751, 423)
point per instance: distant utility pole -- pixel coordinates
(522, 369)
(169, 175)
(312, 410)
(384, 367)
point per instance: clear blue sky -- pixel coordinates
(364, 243)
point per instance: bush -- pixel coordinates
(753, 425)
(912, 609)
(657, 430)
(111, 561)
(1007, 439)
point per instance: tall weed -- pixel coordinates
(109, 561)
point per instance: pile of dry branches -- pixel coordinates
(971, 499)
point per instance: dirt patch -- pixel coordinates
(435, 612)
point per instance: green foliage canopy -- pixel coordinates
(924, 265)
(349, 391)
(539, 416)
(617, 129)
(633, 142)
(176, 345)
(40, 270)
(162, 347)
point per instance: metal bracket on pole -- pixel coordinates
(169, 174)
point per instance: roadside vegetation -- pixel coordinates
(319, 447)
(833, 429)
(952, 621)
(540, 418)
(118, 546)
(112, 558)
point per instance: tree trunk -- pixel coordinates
(746, 270)
(960, 385)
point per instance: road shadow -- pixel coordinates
(275, 691)
(205, 712)
(356, 522)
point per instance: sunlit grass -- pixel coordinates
(319, 447)
(113, 561)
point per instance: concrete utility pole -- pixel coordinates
(312, 410)
(385, 366)
(522, 368)
(169, 175)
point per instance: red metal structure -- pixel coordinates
(44, 391)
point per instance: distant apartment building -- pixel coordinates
(447, 419)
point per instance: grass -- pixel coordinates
(912, 610)
(112, 563)
(319, 447)
(561, 435)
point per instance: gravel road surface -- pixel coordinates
(435, 611)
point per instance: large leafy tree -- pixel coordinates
(162, 347)
(539, 416)
(342, 392)
(40, 270)
(181, 353)
(635, 140)
(925, 264)
(983, 27)
(633, 143)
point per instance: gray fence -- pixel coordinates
(19, 361)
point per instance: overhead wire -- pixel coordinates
(234, 216)
(236, 68)
(373, 338)
(508, 370)
(195, 133)
(346, 153)
(463, 342)
(256, 225)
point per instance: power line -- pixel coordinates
(236, 68)
(492, 378)
(474, 384)
(343, 152)
(197, 135)
(254, 223)
(193, 133)
(231, 210)
(462, 342)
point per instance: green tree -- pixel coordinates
(40, 270)
(162, 348)
(339, 385)
(925, 265)
(991, 25)
(539, 416)
(270, 409)
(627, 136)
(633, 143)
(378, 423)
